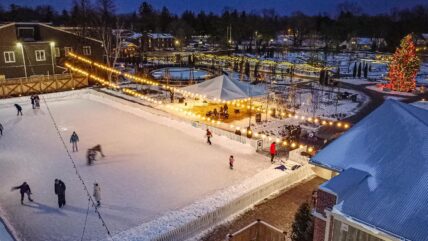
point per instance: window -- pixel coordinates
(26, 33)
(9, 57)
(40, 55)
(68, 49)
(87, 50)
(57, 52)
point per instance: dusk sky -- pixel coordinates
(281, 6)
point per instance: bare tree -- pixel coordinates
(105, 23)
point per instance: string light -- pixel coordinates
(241, 103)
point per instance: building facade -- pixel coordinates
(35, 49)
(380, 192)
(157, 41)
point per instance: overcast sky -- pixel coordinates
(281, 6)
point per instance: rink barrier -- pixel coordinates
(221, 214)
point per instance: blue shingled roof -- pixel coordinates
(384, 160)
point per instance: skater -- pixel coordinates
(97, 148)
(90, 156)
(24, 189)
(231, 161)
(60, 192)
(272, 151)
(33, 103)
(209, 135)
(37, 102)
(1, 129)
(97, 194)
(73, 140)
(18, 109)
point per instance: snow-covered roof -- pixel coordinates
(425, 35)
(160, 35)
(383, 162)
(225, 88)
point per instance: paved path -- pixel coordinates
(279, 211)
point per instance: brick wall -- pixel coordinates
(324, 201)
(319, 229)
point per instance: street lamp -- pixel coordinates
(52, 44)
(19, 45)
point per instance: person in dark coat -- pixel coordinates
(60, 192)
(36, 102)
(73, 140)
(18, 109)
(32, 101)
(1, 129)
(24, 189)
(209, 135)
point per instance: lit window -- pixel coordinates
(68, 49)
(57, 52)
(9, 57)
(40, 55)
(87, 50)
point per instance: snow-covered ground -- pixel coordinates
(153, 166)
(380, 90)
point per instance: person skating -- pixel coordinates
(209, 135)
(24, 189)
(32, 98)
(231, 161)
(60, 192)
(1, 129)
(37, 101)
(272, 151)
(98, 148)
(90, 156)
(97, 194)
(18, 109)
(73, 140)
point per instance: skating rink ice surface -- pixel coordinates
(149, 169)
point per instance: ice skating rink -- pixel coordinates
(153, 165)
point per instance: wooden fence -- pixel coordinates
(258, 231)
(41, 84)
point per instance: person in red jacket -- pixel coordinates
(272, 151)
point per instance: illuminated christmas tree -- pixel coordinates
(404, 67)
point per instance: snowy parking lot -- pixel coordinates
(153, 165)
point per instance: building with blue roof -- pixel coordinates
(381, 190)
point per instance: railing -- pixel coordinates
(239, 138)
(258, 231)
(41, 84)
(240, 204)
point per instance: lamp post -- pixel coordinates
(52, 45)
(19, 45)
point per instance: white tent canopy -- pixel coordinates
(225, 88)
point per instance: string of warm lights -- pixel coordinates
(112, 85)
(243, 130)
(238, 103)
(206, 120)
(233, 59)
(241, 103)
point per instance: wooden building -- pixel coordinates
(38, 49)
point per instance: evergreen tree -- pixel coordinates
(354, 72)
(404, 66)
(366, 70)
(302, 228)
(359, 70)
(247, 69)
